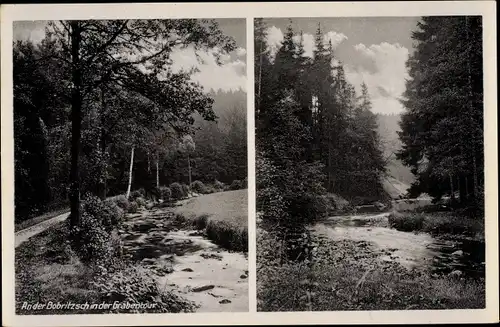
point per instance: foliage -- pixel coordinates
(439, 223)
(166, 193)
(334, 280)
(135, 194)
(219, 185)
(133, 207)
(198, 187)
(177, 191)
(406, 223)
(227, 235)
(107, 213)
(136, 286)
(236, 185)
(200, 222)
(90, 240)
(185, 190)
(118, 101)
(122, 202)
(442, 129)
(141, 202)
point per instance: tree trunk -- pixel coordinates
(260, 80)
(102, 182)
(475, 186)
(471, 111)
(466, 187)
(157, 173)
(452, 189)
(130, 171)
(76, 121)
(149, 164)
(189, 170)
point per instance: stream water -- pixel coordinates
(186, 262)
(412, 250)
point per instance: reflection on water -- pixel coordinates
(410, 249)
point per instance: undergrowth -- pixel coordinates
(347, 275)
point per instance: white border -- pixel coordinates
(487, 9)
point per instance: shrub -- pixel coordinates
(200, 222)
(177, 191)
(122, 202)
(107, 213)
(309, 207)
(165, 193)
(185, 190)
(209, 190)
(218, 185)
(90, 241)
(198, 187)
(141, 202)
(227, 235)
(133, 207)
(135, 194)
(407, 222)
(236, 185)
(137, 286)
(113, 214)
(245, 182)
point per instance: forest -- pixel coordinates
(327, 140)
(322, 154)
(169, 128)
(129, 173)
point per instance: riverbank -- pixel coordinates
(356, 274)
(438, 223)
(166, 262)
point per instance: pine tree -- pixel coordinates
(442, 129)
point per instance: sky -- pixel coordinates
(372, 49)
(230, 76)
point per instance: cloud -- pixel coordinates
(274, 38)
(309, 43)
(229, 76)
(386, 82)
(240, 52)
(334, 37)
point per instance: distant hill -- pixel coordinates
(399, 176)
(225, 105)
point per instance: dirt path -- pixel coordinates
(186, 261)
(23, 235)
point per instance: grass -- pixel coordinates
(47, 270)
(223, 216)
(346, 275)
(230, 206)
(437, 223)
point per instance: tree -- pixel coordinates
(187, 146)
(124, 52)
(442, 131)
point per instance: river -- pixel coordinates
(439, 254)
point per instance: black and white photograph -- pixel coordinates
(369, 163)
(130, 155)
(249, 163)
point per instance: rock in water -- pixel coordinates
(187, 269)
(203, 288)
(225, 301)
